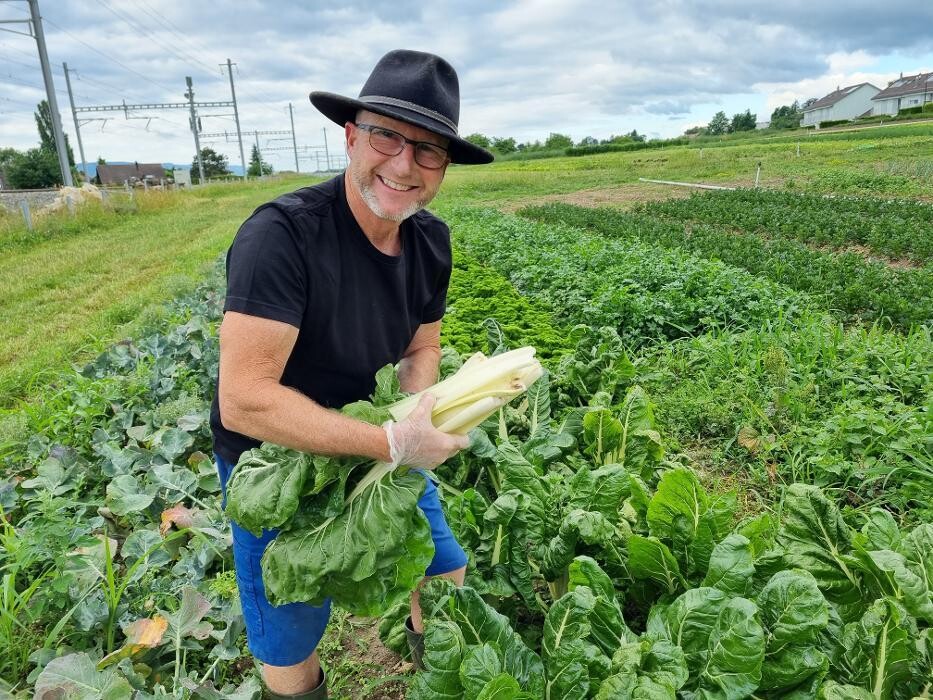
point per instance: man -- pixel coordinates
(325, 286)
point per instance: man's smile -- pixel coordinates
(392, 184)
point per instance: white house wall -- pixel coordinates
(853, 105)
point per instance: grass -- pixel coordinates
(64, 297)
(79, 283)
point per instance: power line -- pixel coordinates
(169, 26)
(110, 58)
(138, 27)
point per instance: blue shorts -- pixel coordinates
(287, 634)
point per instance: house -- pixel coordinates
(912, 91)
(130, 173)
(843, 103)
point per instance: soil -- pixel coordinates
(360, 662)
(624, 196)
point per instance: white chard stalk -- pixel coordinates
(477, 390)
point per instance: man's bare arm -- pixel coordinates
(422, 359)
(253, 353)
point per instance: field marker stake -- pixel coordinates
(24, 204)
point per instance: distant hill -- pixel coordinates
(92, 167)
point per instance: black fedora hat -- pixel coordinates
(414, 87)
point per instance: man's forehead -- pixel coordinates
(413, 132)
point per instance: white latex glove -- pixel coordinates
(415, 442)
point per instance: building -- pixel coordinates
(130, 174)
(912, 91)
(843, 103)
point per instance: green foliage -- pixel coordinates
(641, 289)
(892, 227)
(503, 144)
(787, 116)
(556, 141)
(36, 168)
(479, 140)
(834, 122)
(215, 164)
(718, 125)
(257, 166)
(743, 121)
(780, 229)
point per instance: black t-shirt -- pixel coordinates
(304, 260)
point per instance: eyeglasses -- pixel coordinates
(391, 143)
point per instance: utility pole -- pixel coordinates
(74, 115)
(194, 128)
(294, 143)
(236, 116)
(326, 153)
(50, 94)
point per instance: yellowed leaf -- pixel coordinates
(142, 634)
(177, 515)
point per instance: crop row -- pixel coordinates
(894, 228)
(845, 282)
(599, 569)
(645, 291)
(802, 398)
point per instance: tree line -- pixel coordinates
(783, 117)
(554, 142)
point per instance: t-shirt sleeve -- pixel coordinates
(435, 308)
(266, 275)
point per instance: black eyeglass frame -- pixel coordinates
(405, 140)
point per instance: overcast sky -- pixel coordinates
(527, 68)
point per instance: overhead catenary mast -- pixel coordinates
(35, 31)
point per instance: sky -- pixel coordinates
(527, 68)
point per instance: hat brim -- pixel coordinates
(340, 110)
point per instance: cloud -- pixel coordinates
(527, 67)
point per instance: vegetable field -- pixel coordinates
(720, 488)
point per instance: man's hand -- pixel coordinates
(415, 442)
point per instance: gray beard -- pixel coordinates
(372, 201)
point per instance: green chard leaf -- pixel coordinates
(731, 567)
(265, 487)
(815, 538)
(381, 542)
(794, 614)
(721, 638)
(879, 649)
(650, 559)
(444, 649)
(564, 645)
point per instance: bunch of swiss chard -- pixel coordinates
(599, 569)
(350, 529)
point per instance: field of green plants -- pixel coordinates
(720, 489)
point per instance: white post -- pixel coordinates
(757, 173)
(27, 215)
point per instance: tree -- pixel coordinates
(37, 168)
(47, 131)
(635, 136)
(215, 165)
(588, 141)
(807, 102)
(786, 116)
(719, 124)
(556, 141)
(504, 145)
(101, 161)
(257, 166)
(478, 140)
(743, 121)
